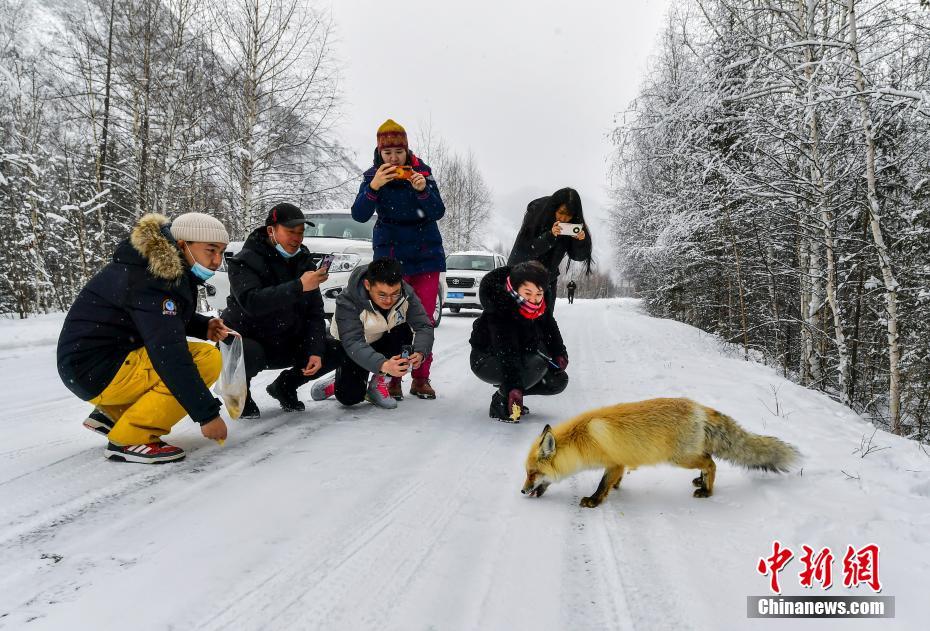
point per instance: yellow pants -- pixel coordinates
(140, 402)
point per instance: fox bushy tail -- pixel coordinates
(726, 439)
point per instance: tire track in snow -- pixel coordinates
(20, 539)
(318, 594)
(597, 597)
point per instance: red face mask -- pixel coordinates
(527, 309)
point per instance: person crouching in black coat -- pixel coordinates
(276, 305)
(516, 343)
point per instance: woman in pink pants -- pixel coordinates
(400, 188)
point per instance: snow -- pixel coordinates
(412, 519)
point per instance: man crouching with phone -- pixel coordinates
(275, 304)
(384, 331)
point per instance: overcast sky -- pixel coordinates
(531, 87)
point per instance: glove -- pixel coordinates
(515, 398)
(562, 361)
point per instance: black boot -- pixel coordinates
(285, 392)
(250, 409)
(498, 408)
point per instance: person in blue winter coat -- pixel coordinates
(400, 188)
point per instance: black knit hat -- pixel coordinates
(288, 215)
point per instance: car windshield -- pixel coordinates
(339, 226)
(470, 261)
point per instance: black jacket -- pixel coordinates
(501, 329)
(547, 248)
(266, 299)
(146, 296)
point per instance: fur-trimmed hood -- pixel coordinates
(151, 241)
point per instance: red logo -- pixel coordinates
(859, 567)
(819, 568)
(774, 564)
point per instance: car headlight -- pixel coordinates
(344, 262)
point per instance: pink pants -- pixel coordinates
(426, 287)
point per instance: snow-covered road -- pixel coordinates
(413, 519)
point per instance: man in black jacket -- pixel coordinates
(124, 347)
(276, 305)
(516, 343)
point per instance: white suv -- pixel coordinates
(334, 232)
(464, 271)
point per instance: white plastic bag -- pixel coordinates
(232, 385)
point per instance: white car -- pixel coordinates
(464, 271)
(335, 233)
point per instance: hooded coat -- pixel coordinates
(406, 229)
(504, 332)
(147, 296)
(357, 322)
(266, 298)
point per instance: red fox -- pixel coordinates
(628, 435)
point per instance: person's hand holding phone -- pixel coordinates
(385, 173)
(556, 229)
(312, 280)
(416, 360)
(396, 366)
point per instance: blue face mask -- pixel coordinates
(281, 250)
(284, 252)
(201, 272)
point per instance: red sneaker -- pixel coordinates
(150, 453)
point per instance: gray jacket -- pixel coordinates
(357, 322)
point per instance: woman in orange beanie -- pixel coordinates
(400, 188)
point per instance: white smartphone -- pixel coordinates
(571, 229)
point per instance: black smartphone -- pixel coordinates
(406, 351)
(327, 261)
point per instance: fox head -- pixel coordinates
(540, 472)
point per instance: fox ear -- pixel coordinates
(547, 444)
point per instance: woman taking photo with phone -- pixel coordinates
(401, 189)
(553, 227)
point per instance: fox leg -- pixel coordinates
(610, 479)
(705, 481)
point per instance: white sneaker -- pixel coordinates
(323, 388)
(378, 393)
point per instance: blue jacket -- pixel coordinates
(147, 296)
(406, 229)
